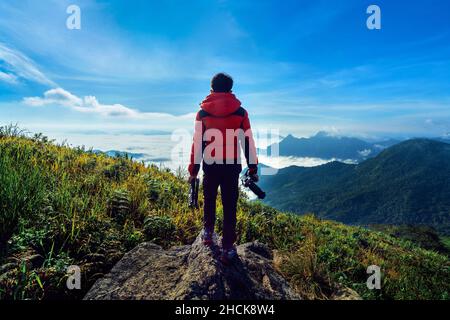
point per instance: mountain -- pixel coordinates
(326, 146)
(117, 153)
(408, 183)
(61, 207)
(445, 139)
(424, 236)
(383, 144)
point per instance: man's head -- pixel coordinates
(221, 82)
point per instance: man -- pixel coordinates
(221, 126)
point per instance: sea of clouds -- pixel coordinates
(171, 150)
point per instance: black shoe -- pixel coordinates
(228, 255)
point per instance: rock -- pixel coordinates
(34, 261)
(192, 272)
(6, 267)
(345, 293)
(94, 257)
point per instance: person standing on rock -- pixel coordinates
(222, 126)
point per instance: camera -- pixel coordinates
(248, 182)
(193, 193)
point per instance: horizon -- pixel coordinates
(144, 67)
(172, 151)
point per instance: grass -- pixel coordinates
(61, 206)
(446, 242)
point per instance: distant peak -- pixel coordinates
(289, 137)
(323, 134)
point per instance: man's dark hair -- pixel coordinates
(222, 82)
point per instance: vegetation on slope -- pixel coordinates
(61, 206)
(424, 236)
(405, 184)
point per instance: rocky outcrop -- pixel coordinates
(344, 293)
(192, 272)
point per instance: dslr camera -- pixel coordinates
(248, 182)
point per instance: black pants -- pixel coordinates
(227, 177)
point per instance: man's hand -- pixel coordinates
(191, 178)
(253, 174)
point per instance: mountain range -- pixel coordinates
(325, 145)
(408, 183)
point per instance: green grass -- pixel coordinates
(73, 206)
(446, 242)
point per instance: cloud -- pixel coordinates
(90, 104)
(283, 161)
(365, 152)
(14, 65)
(8, 77)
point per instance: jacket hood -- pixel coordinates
(220, 104)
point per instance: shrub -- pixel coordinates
(159, 229)
(119, 205)
(22, 192)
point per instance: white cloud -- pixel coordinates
(8, 77)
(90, 104)
(55, 96)
(284, 161)
(365, 152)
(16, 66)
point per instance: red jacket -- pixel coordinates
(220, 125)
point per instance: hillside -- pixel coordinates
(408, 183)
(326, 146)
(425, 237)
(62, 206)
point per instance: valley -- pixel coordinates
(407, 183)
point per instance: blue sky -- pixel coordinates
(299, 66)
